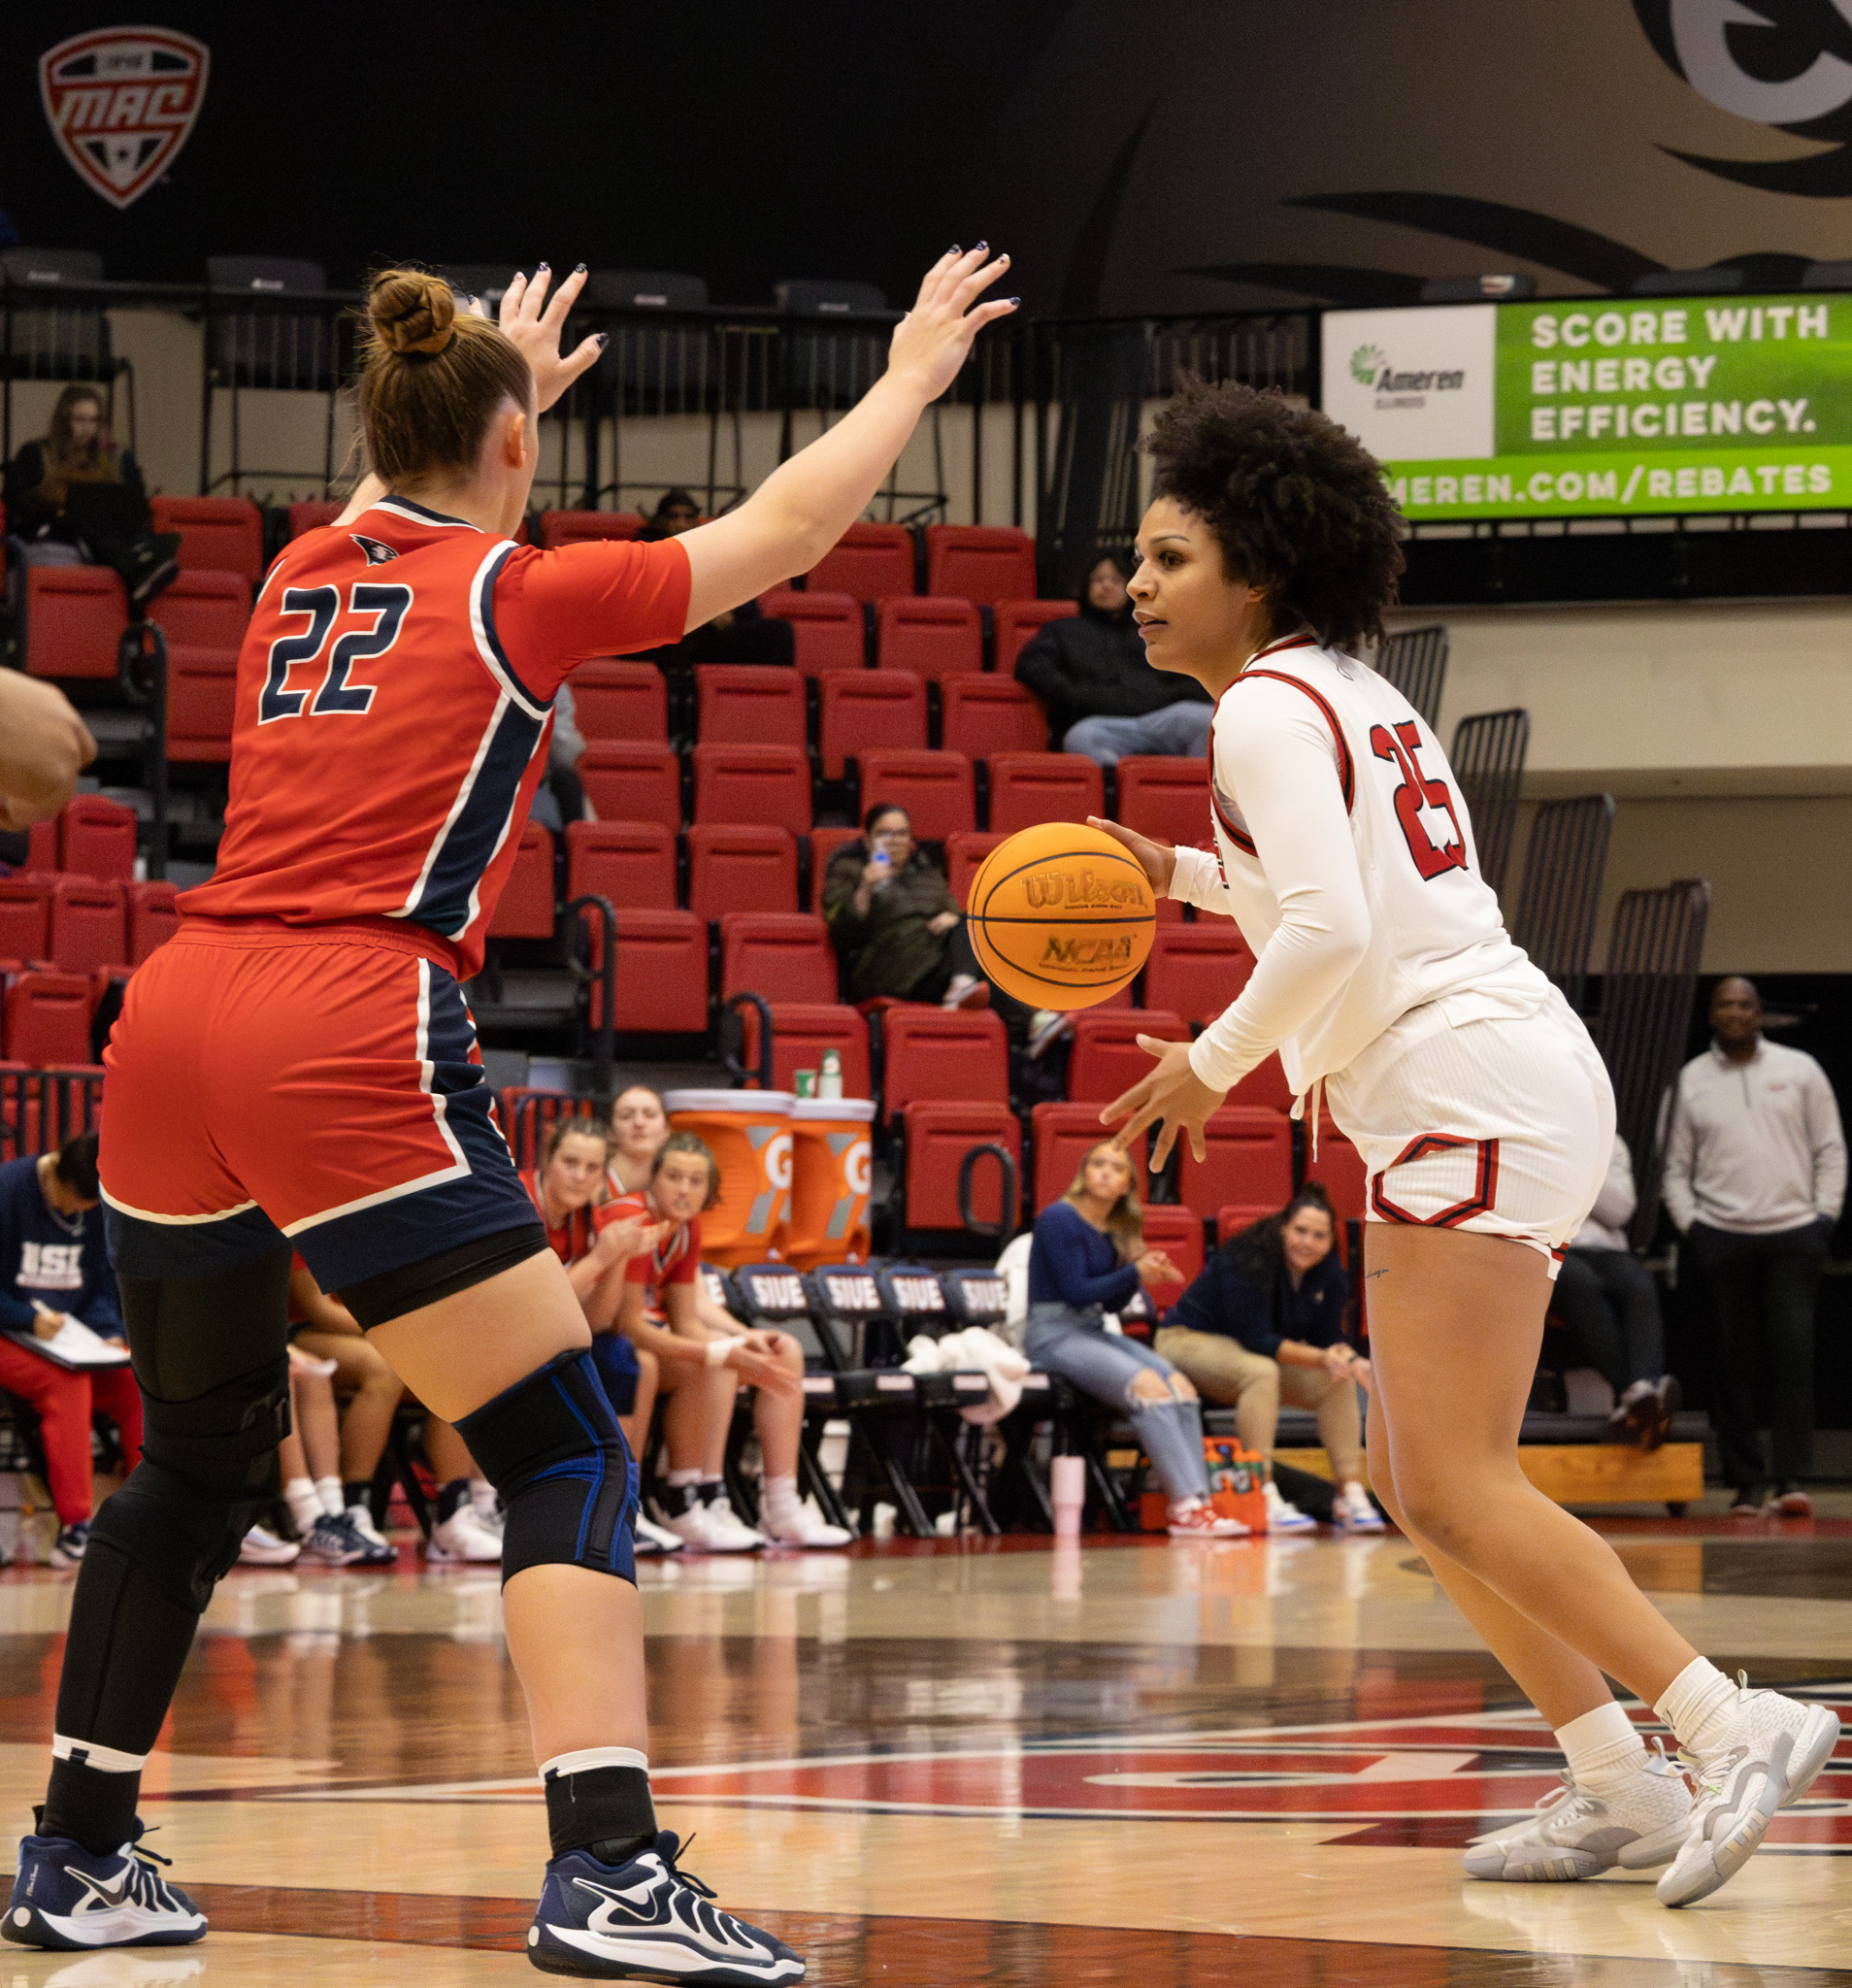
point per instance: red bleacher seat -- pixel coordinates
(632, 863)
(618, 700)
(938, 1135)
(202, 700)
(25, 917)
(1339, 1169)
(963, 857)
(982, 716)
(311, 513)
(1106, 1061)
(48, 1018)
(75, 616)
(768, 783)
(1065, 1135)
(632, 782)
(1017, 620)
(203, 610)
(1178, 1231)
(1239, 1216)
(863, 709)
(781, 955)
(525, 910)
(1195, 971)
(1165, 799)
(89, 926)
(980, 562)
(574, 527)
(216, 534)
(42, 858)
(152, 920)
(932, 638)
(736, 865)
(746, 704)
(1028, 787)
(870, 562)
(934, 787)
(942, 1053)
(1265, 1084)
(824, 844)
(1250, 1160)
(801, 1032)
(528, 1114)
(662, 973)
(827, 628)
(96, 838)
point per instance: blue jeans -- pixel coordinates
(1180, 731)
(1075, 1345)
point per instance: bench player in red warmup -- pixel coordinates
(297, 1067)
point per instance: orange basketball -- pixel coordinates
(1061, 916)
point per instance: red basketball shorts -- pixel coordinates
(318, 1088)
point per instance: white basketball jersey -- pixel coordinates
(1435, 928)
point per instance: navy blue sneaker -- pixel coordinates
(66, 1897)
(646, 1918)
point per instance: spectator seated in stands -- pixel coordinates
(702, 1366)
(76, 489)
(739, 635)
(1609, 1304)
(55, 1271)
(1265, 1323)
(1089, 1256)
(560, 798)
(1103, 698)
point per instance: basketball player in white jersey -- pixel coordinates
(1386, 978)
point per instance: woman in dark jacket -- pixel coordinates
(77, 489)
(1103, 699)
(893, 920)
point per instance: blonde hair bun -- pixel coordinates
(412, 311)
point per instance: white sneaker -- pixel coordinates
(361, 1520)
(1778, 1747)
(1572, 1834)
(462, 1537)
(489, 1515)
(1282, 1516)
(1351, 1507)
(1198, 1519)
(801, 1525)
(654, 1539)
(726, 1531)
(261, 1548)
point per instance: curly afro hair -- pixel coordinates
(1294, 501)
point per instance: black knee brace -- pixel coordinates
(551, 1446)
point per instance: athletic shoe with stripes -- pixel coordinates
(605, 1922)
(66, 1897)
(1573, 1834)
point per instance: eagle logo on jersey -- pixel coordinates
(377, 554)
(121, 102)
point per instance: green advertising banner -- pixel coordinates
(1568, 409)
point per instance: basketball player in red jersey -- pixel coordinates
(296, 1066)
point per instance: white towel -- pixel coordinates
(973, 1350)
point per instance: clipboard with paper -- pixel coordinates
(74, 1346)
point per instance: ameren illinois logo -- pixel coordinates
(1371, 367)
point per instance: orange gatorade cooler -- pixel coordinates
(749, 1132)
(830, 1161)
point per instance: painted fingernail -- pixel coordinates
(603, 339)
(542, 269)
(981, 246)
(579, 269)
(1013, 300)
(954, 249)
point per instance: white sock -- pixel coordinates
(482, 1495)
(677, 1478)
(1700, 1706)
(303, 1502)
(1603, 1749)
(781, 1500)
(587, 1758)
(333, 1498)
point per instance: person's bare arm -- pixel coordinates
(43, 746)
(677, 1349)
(319, 1311)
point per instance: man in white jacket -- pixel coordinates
(1755, 1179)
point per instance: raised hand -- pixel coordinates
(931, 342)
(536, 331)
(1173, 1092)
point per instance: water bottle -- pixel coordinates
(829, 1076)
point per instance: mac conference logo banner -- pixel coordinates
(121, 102)
(1413, 385)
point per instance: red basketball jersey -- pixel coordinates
(394, 702)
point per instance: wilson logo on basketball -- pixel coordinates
(122, 101)
(1085, 890)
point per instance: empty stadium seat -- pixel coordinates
(937, 1136)
(963, 857)
(152, 918)
(869, 562)
(827, 628)
(1265, 1084)
(632, 782)
(89, 927)
(1028, 787)
(48, 1018)
(746, 704)
(202, 697)
(618, 700)
(311, 513)
(737, 866)
(1176, 1231)
(1250, 1160)
(980, 562)
(662, 973)
(1106, 1060)
(935, 789)
(932, 638)
(982, 716)
(766, 783)
(1238, 1215)
(26, 919)
(1195, 971)
(96, 838)
(1339, 1169)
(824, 844)
(575, 527)
(43, 849)
(526, 910)
(1165, 799)
(75, 616)
(1016, 621)
(1064, 1135)
(942, 1053)
(863, 709)
(205, 610)
(216, 534)
(632, 863)
(782, 956)
(801, 1032)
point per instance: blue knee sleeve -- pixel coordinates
(551, 1446)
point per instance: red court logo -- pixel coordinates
(122, 101)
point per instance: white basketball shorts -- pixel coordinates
(1499, 1126)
